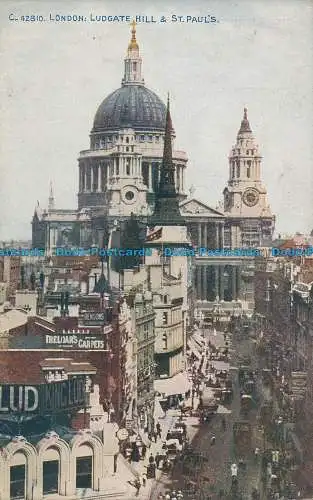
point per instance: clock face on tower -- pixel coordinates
(250, 197)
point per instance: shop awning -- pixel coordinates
(220, 365)
(178, 384)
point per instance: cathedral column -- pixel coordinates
(99, 178)
(221, 234)
(217, 235)
(222, 282)
(150, 176)
(205, 235)
(233, 282)
(238, 281)
(199, 234)
(85, 179)
(217, 281)
(91, 178)
(205, 283)
(198, 282)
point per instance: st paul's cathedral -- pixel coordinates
(119, 176)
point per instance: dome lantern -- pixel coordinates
(133, 62)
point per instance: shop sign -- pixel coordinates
(43, 399)
(76, 341)
(92, 318)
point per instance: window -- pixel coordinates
(238, 170)
(142, 138)
(84, 472)
(127, 140)
(165, 299)
(150, 138)
(17, 481)
(128, 168)
(146, 331)
(127, 149)
(164, 318)
(249, 169)
(157, 139)
(134, 66)
(51, 477)
(164, 341)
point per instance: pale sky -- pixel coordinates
(55, 75)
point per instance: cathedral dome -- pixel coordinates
(132, 106)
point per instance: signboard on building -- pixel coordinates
(92, 318)
(298, 384)
(75, 340)
(43, 399)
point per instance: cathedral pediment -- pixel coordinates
(196, 207)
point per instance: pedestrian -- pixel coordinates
(144, 480)
(137, 486)
(143, 451)
(223, 424)
(155, 436)
(158, 429)
(151, 458)
(213, 439)
(257, 453)
(157, 459)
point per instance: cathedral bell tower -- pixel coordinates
(245, 197)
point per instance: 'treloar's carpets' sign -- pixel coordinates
(43, 398)
(76, 341)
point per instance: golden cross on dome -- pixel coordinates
(133, 42)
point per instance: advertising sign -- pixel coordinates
(43, 398)
(75, 341)
(92, 318)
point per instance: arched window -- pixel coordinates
(84, 467)
(249, 169)
(238, 169)
(233, 170)
(18, 476)
(51, 471)
(127, 140)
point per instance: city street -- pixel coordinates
(206, 471)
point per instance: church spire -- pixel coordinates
(166, 210)
(245, 125)
(51, 198)
(132, 61)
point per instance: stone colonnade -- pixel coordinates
(93, 177)
(217, 281)
(210, 235)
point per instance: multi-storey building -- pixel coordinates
(142, 315)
